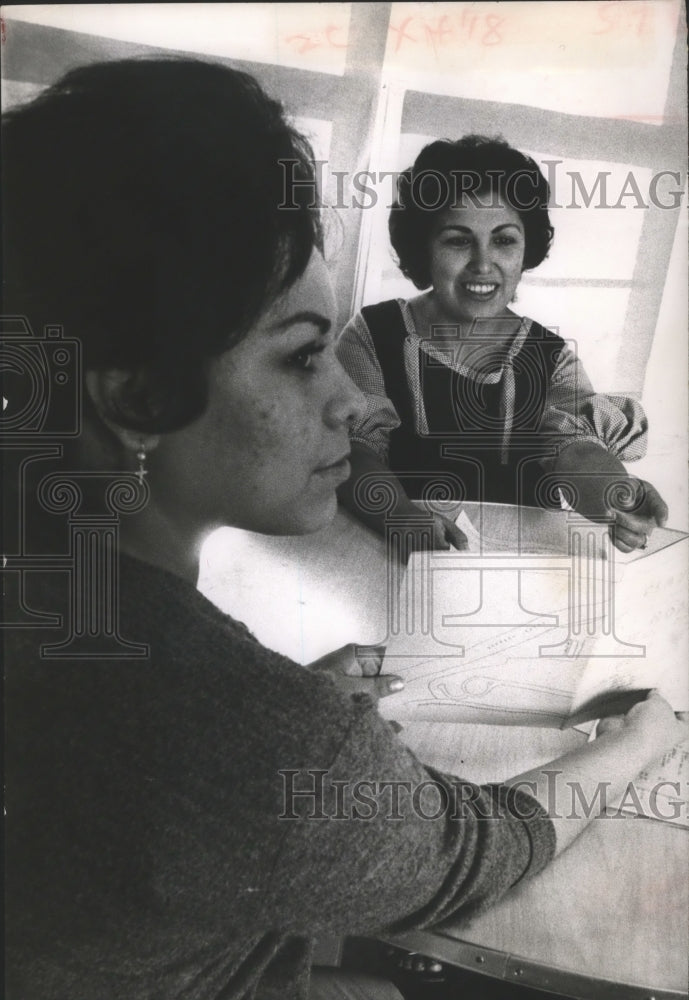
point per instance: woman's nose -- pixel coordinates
(480, 259)
(347, 402)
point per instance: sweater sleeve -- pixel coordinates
(378, 841)
(153, 844)
(225, 733)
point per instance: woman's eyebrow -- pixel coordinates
(322, 323)
(468, 229)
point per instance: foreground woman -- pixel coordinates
(157, 845)
(458, 385)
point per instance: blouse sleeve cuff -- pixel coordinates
(557, 447)
(622, 423)
(617, 423)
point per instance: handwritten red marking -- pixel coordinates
(446, 30)
(307, 42)
(329, 31)
(402, 34)
(466, 24)
(438, 33)
(492, 34)
(630, 20)
(641, 13)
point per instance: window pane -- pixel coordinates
(592, 317)
(594, 239)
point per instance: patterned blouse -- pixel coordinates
(573, 411)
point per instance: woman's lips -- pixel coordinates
(338, 471)
(480, 289)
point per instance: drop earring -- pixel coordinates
(141, 457)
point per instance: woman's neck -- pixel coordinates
(473, 340)
(150, 535)
(159, 533)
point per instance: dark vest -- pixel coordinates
(460, 457)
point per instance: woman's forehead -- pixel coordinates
(311, 295)
(484, 212)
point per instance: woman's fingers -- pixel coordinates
(446, 534)
(370, 659)
(440, 540)
(652, 506)
(609, 724)
(456, 536)
(377, 687)
(643, 506)
(625, 540)
(356, 669)
(443, 534)
(387, 684)
(631, 530)
(352, 660)
(635, 522)
(339, 661)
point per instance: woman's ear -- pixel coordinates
(107, 391)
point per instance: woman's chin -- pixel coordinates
(304, 518)
(315, 517)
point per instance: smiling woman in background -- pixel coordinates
(459, 385)
(151, 851)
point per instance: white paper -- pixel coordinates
(531, 638)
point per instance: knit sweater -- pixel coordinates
(157, 847)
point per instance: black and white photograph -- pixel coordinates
(345, 544)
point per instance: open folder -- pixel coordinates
(541, 622)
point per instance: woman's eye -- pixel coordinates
(304, 358)
(504, 241)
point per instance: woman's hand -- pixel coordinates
(602, 491)
(637, 512)
(443, 532)
(446, 534)
(633, 505)
(356, 669)
(652, 722)
(437, 533)
(627, 745)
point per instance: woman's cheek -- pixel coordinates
(282, 431)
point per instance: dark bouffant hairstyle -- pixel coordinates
(142, 213)
(447, 173)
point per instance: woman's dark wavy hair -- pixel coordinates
(142, 213)
(475, 165)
